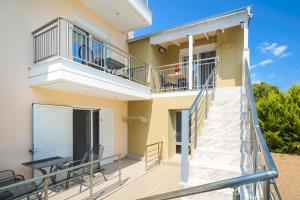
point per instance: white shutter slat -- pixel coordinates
(107, 133)
(52, 131)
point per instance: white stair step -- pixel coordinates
(197, 164)
(223, 147)
(224, 116)
(226, 135)
(219, 158)
(222, 123)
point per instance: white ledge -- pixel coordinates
(66, 75)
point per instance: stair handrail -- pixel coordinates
(203, 93)
(266, 176)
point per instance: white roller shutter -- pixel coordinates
(107, 133)
(52, 131)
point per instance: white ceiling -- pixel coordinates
(126, 15)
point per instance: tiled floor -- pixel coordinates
(130, 170)
(135, 182)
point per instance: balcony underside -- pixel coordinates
(68, 76)
(124, 15)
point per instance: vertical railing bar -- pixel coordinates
(42, 46)
(129, 68)
(206, 101)
(46, 188)
(68, 39)
(266, 190)
(34, 49)
(119, 168)
(91, 177)
(58, 37)
(158, 153)
(146, 152)
(105, 55)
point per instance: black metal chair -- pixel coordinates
(182, 83)
(164, 83)
(97, 155)
(75, 175)
(8, 177)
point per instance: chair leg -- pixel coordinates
(81, 184)
(103, 174)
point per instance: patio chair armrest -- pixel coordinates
(19, 177)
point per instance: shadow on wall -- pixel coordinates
(139, 114)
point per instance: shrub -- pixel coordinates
(279, 116)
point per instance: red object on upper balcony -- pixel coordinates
(177, 68)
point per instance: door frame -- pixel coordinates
(91, 123)
(174, 131)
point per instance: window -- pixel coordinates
(203, 63)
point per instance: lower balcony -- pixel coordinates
(68, 57)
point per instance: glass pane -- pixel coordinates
(79, 45)
(178, 126)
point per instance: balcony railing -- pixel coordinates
(175, 77)
(64, 38)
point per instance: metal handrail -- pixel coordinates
(62, 171)
(228, 183)
(157, 148)
(199, 95)
(266, 176)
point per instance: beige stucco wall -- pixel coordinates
(142, 50)
(18, 19)
(230, 51)
(229, 48)
(159, 113)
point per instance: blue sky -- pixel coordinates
(273, 38)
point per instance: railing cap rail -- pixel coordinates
(58, 172)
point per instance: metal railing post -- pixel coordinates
(68, 42)
(254, 160)
(46, 188)
(91, 177)
(58, 36)
(206, 102)
(185, 147)
(119, 168)
(129, 68)
(196, 130)
(266, 190)
(236, 195)
(213, 89)
(158, 153)
(105, 56)
(34, 49)
(146, 159)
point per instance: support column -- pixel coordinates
(246, 49)
(191, 61)
(185, 146)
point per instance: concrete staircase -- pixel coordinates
(222, 148)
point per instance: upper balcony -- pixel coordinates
(125, 15)
(69, 57)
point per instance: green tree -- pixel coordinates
(263, 89)
(279, 116)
